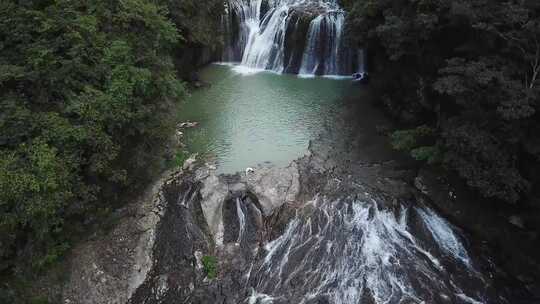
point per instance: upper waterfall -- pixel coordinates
(288, 36)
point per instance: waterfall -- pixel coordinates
(265, 44)
(350, 251)
(241, 220)
(444, 236)
(310, 62)
(351, 246)
(294, 36)
(323, 45)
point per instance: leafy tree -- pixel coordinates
(467, 69)
(87, 90)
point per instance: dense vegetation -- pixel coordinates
(87, 89)
(464, 75)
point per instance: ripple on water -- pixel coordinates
(251, 118)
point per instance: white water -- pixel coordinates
(241, 220)
(444, 236)
(348, 252)
(261, 42)
(325, 33)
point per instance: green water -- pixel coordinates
(263, 118)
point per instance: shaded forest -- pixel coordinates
(464, 77)
(88, 92)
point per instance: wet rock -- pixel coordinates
(194, 76)
(420, 185)
(295, 40)
(214, 192)
(275, 186)
(187, 124)
(189, 164)
(516, 221)
(200, 84)
(211, 166)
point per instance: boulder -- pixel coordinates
(189, 164)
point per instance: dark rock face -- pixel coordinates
(233, 48)
(193, 57)
(296, 39)
(265, 7)
(243, 218)
(188, 231)
(181, 233)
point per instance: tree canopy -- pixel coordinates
(87, 90)
(467, 69)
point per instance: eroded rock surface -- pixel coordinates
(344, 224)
(108, 271)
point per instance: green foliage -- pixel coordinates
(198, 21)
(485, 162)
(179, 158)
(429, 154)
(210, 264)
(39, 300)
(467, 69)
(415, 142)
(52, 256)
(86, 96)
(406, 140)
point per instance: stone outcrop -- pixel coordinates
(155, 252)
(296, 38)
(109, 270)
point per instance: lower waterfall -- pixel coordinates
(345, 243)
(350, 251)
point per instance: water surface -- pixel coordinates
(248, 119)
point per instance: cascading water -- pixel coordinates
(350, 251)
(352, 245)
(323, 44)
(293, 36)
(241, 220)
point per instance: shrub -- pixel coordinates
(210, 264)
